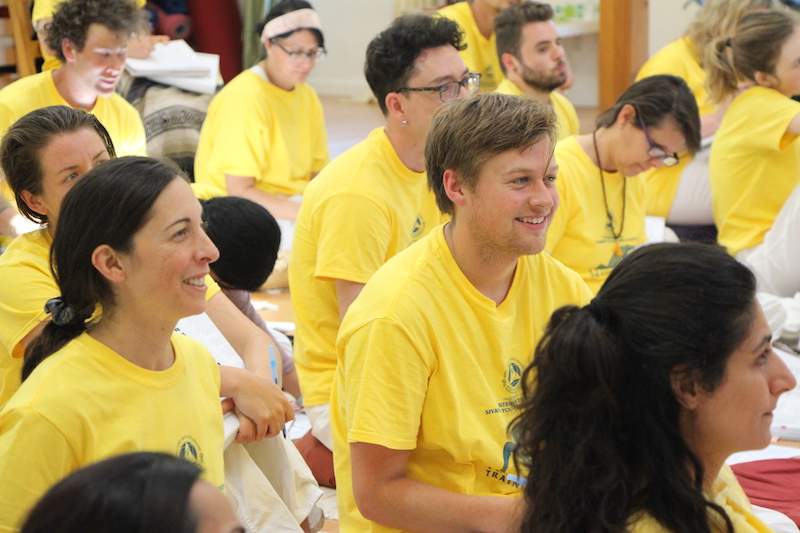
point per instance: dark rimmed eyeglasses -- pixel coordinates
(655, 150)
(298, 55)
(450, 90)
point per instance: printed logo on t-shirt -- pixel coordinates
(512, 378)
(189, 449)
(502, 474)
(418, 228)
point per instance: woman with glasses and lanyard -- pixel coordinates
(264, 136)
(755, 163)
(601, 217)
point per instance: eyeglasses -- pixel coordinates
(450, 90)
(656, 151)
(298, 55)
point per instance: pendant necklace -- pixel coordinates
(609, 216)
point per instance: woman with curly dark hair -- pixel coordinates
(634, 402)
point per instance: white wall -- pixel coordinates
(669, 19)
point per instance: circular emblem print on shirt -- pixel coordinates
(512, 379)
(188, 449)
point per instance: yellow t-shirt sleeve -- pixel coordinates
(212, 289)
(34, 455)
(320, 141)
(384, 400)
(353, 238)
(770, 131)
(22, 310)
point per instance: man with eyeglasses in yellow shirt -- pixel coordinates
(373, 200)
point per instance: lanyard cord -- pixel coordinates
(610, 217)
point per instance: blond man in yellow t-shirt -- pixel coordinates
(430, 353)
(533, 60)
(372, 201)
(94, 55)
(476, 20)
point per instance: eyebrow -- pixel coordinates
(448, 78)
(767, 339)
(179, 221)
(73, 167)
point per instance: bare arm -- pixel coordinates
(258, 399)
(385, 494)
(794, 125)
(346, 293)
(6, 214)
(277, 204)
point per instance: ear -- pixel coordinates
(626, 115)
(107, 261)
(395, 106)
(509, 62)
(69, 50)
(453, 187)
(765, 80)
(34, 202)
(685, 387)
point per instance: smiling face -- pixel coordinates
(99, 64)
(289, 67)
(166, 267)
(66, 158)
(513, 201)
(737, 415)
(541, 63)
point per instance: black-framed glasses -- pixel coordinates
(298, 55)
(655, 150)
(450, 90)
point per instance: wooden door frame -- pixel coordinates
(622, 47)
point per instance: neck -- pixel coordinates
(408, 148)
(137, 336)
(543, 97)
(484, 15)
(605, 141)
(274, 77)
(709, 457)
(73, 90)
(490, 272)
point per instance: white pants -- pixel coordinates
(692, 204)
(320, 418)
(776, 261)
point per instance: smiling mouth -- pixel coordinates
(197, 282)
(534, 221)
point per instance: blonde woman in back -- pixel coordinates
(755, 164)
(681, 194)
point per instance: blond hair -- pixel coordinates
(754, 47)
(718, 18)
(467, 133)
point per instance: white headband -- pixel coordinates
(306, 19)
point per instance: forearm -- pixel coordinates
(247, 339)
(279, 205)
(6, 214)
(414, 506)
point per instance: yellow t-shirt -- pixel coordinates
(579, 235)
(43, 10)
(678, 58)
(254, 128)
(728, 494)
(362, 209)
(427, 363)
(26, 264)
(566, 117)
(754, 166)
(86, 403)
(34, 92)
(480, 55)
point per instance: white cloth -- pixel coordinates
(775, 261)
(320, 418)
(692, 203)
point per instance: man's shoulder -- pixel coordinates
(24, 95)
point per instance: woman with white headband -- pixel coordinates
(264, 136)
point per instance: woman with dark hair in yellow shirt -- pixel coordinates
(633, 403)
(129, 239)
(755, 162)
(601, 216)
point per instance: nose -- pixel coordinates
(207, 252)
(783, 380)
(543, 196)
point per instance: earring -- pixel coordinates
(404, 122)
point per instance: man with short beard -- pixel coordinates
(533, 60)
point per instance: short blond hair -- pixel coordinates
(718, 18)
(467, 133)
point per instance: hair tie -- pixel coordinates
(598, 311)
(61, 313)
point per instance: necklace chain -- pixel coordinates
(609, 216)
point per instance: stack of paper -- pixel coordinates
(175, 63)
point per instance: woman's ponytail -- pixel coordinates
(66, 322)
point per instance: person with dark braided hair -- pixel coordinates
(634, 402)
